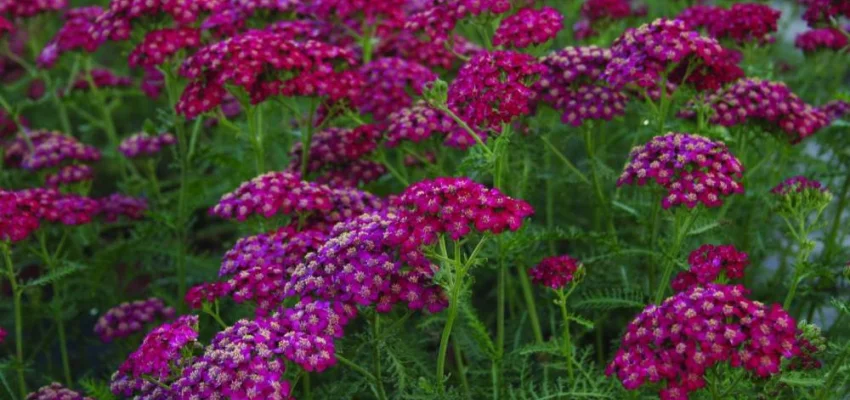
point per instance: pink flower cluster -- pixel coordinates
(30, 8)
(529, 27)
(554, 272)
(56, 207)
(389, 84)
(642, 55)
(570, 85)
(117, 22)
(443, 54)
(207, 292)
(691, 168)
(596, 14)
(74, 35)
(159, 45)
(453, 206)
(346, 204)
(823, 11)
(117, 205)
(231, 16)
(69, 174)
(798, 184)
(129, 318)
(420, 122)
(743, 22)
(271, 194)
(835, 109)
(17, 217)
(55, 391)
(144, 145)
(772, 102)
(49, 149)
(814, 40)
(102, 79)
(336, 148)
(438, 21)
(708, 263)
(264, 64)
(492, 89)
(699, 328)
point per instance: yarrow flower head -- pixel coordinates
(117, 22)
(30, 8)
(420, 122)
(835, 109)
(529, 27)
(129, 318)
(271, 194)
(798, 184)
(68, 175)
(118, 205)
(743, 22)
(556, 272)
(641, 56)
(75, 34)
(56, 207)
(3, 335)
(353, 174)
(438, 21)
(55, 391)
(102, 79)
(708, 263)
(207, 292)
(18, 216)
(821, 39)
(336, 148)
(453, 206)
(823, 11)
(144, 145)
(160, 45)
(692, 169)
(312, 325)
(597, 14)
(388, 85)
(697, 329)
(231, 16)
(800, 195)
(49, 149)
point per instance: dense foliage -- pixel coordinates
(424, 199)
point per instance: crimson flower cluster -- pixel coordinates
(443, 54)
(708, 262)
(389, 84)
(492, 89)
(69, 174)
(642, 56)
(144, 145)
(814, 40)
(17, 217)
(24, 210)
(159, 45)
(49, 149)
(117, 205)
(694, 330)
(74, 35)
(271, 194)
(207, 292)
(743, 22)
(798, 184)
(16, 9)
(117, 22)
(691, 168)
(129, 318)
(555, 272)
(570, 84)
(529, 27)
(823, 11)
(231, 16)
(772, 102)
(55, 391)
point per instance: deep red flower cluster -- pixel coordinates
(49, 149)
(813, 40)
(264, 64)
(691, 168)
(772, 102)
(18, 218)
(389, 84)
(336, 148)
(102, 79)
(8, 126)
(453, 206)
(554, 272)
(529, 27)
(159, 45)
(29, 8)
(55, 391)
(798, 184)
(823, 11)
(117, 205)
(271, 194)
(144, 145)
(69, 174)
(642, 55)
(75, 34)
(207, 292)
(129, 318)
(708, 263)
(743, 22)
(53, 206)
(697, 329)
(443, 54)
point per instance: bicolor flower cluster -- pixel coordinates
(690, 168)
(798, 184)
(555, 272)
(529, 27)
(678, 341)
(68, 175)
(271, 194)
(742, 22)
(821, 39)
(709, 263)
(37, 150)
(55, 391)
(74, 35)
(420, 122)
(643, 55)
(145, 145)
(130, 318)
(389, 84)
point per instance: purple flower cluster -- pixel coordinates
(353, 174)
(438, 21)
(420, 122)
(596, 14)
(492, 89)
(159, 45)
(74, 35)
(798, 184)
(823, 11)
(311, 328)
(708, 263)
(19, 9)
(692, 169)
(336, 148)
(642, 55)
(117, 22)
(771, 102)
(271, 194)
(389, 84)
(529, 27)
(555, 272)
(231, 16)
(55, 391)
(814, 40)
(56, 207)
(69, 174)
(129, 318)
(102, 79)
(743, 22)
(703, 326)
(144, 145)
(117, 205)
(49, 149)
(410, 47)
(835, 109)
(570, 85)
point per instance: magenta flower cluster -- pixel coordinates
(160, 45)
(130, 318)
(529, 27)
(823, 11)
(439, 20)
(835, 109)
(678, 341)
(53, 206)
(708, 263)
(389, 84)
(353, 174)
(68, 175)
(336, 148)
(554, 272)
(597, 14)
(798, 184)
(117, 205)
(271, 194)
(47, 149)
(144, 145)
(55, 391)
(821, 39)
(420, 122)
(102, 79)
(74, 35)
(690, 168)
(742, 22)
(21, 9)
(117, 22)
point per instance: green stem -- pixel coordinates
(108, 124)
(454, 299)
(500, 325)
(597, 185)
(461, 369)
(307, 141)
(831, 242)
(527, 293)
(466, 127)
(681, 233)
(568, 343)
(308, 389)
(566, 161)
(255, 126)
(17, 292)
(376, 355)
(829, 382)
(50, 260)
(356, 368)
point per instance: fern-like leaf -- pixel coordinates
(610, 299)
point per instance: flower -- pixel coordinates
(207, 292)
(694, 330)
(555, 272)
(3, 334)
(273, 193)
(102, 79)
(743, 22)
(389, 84)
(129, 318)
(438, 21)
(159, 45)
(596, 14)
(642, 55)
(529, 27)
(18, 218)
(117, 22)
(55, 391)
(49, 149)
(311, 327)
(8, 126)
(117, 205)
(823, 11)
(420, 122)
(336, 147)
(69, 174)
(231, 16)
(30, 8)
(708, 262)
(835, 109)
(153, 81)
(75, 34)
(353, 174)
(814, 40)
(408, 46)
(692, 169)
(798, 184)
(144, 145)
(53, 206)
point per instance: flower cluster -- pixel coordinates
(18, 218)
(453, 206)
(743, 22)
(708, 263)
(271, 194)
(353, 174)
(129, 318)
(529, 27)
(439, 20)
(814, 40)
(117, 22)
(3, 334)
(30, 8)
(264, 64)
(231, 16)
(49, 149)
(420, 122)
(772, 102)
(336, 147)
(311, 328)
(835, 109)
(691, 168)
(68, 175)
(56, 207)
(643, 55)
(798, 184)
(444, 55)
(157, 46)
(679, 340)
(555, 272)
(74, 35)
(144, 145)
(492, 89)
(390, 83)
(55, 391)
(595, 14)
(823, 11)
(117, 205)
(102, 79)
(207, 292)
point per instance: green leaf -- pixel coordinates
(703, 228)
(611, 299)
(582, 321)
(53, 276)
(626, 208)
